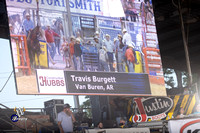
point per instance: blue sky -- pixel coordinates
(8, 95)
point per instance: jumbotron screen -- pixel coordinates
(82, 47)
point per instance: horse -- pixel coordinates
(34, 45)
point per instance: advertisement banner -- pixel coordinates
(73, 82)
(98, 38)
(160, 108)
(184, 126)
(92, 7)
(150, 109)
(51, 81)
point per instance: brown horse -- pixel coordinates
(34, 45)
(33, 40)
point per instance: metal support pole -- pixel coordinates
(65, 24)
(95, 23)
(33, 14)
(69, 20)
(76, 103)
(26, 125)
(185, 45)
(109, 108)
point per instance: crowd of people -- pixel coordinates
(113, 55)
(66, 120)
(132, 14)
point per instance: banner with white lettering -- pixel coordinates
(51, 81)
(90, 7)
(81, 82)
(151, 108)
(184, 126)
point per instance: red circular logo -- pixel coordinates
(188, 124)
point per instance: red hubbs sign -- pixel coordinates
(51, 81)
(46, 81)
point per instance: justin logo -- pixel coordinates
(154, 108)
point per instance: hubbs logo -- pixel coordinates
(51, 81)
(19, 113)
(154, 108)
(191, 127)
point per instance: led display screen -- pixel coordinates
(76, 47)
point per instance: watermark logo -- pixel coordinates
(19, 112)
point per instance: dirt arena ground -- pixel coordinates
(27, 84)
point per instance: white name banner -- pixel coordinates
(92, 7)
(119, 130)
(184, 126)
(51, 81)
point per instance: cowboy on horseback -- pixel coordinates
(28, 24)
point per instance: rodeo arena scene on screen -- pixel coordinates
(85, 47)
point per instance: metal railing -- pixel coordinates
(28, 118)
